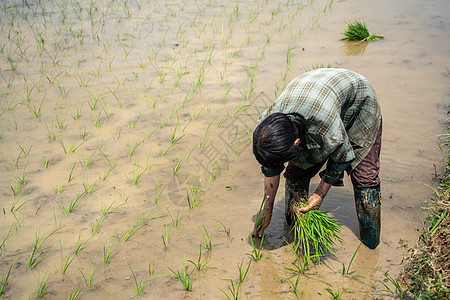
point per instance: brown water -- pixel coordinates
(104, 77)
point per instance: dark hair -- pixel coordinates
(274, 137)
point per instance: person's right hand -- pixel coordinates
(263, 223)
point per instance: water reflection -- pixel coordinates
(352, 48)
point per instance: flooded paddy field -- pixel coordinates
(126, 130)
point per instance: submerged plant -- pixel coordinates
(357, 31)
(316, 233)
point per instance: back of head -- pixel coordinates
(274, 137)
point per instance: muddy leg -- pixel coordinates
(368, 209)
(294, 191)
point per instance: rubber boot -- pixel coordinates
(368, 209)
(294, 191)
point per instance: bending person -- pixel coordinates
(323, 116)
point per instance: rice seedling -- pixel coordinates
(137, 175)
(159, 193)
(174, 221)
(72, 205)
(165, 238)
(5, 278)
(225, 228)
(233, 289)
(138, 285)
(199, 265)
(7, 236)
(45, 161)
(185, 278)
(398, 291)
(36, 111)
(294, 284)
(89, 188)
(131, 148)
(104, 214)
(259, 215)
(243, 273)
(346, 270)
(65, 263)
(39, 253)
(256, 253)
(80, 246)
(300, 265)
(72, 145)
(88, 279)
(316, 233)
(108, 254)
(138, 224)
(357, 31)
(41, 289)
(206, 238)
(75, 293)
(335, 295)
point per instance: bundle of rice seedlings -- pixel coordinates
(357, 31)
(316, 233)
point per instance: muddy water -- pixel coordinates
(121, 110)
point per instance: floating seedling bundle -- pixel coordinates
(357, 31)
(315, 232)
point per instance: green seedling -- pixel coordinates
(138, 285)
(39, 253)
(206, 238)
(316, 233)
(243, 273)
(137, 175)
(92, 270)
(198, 265)
(41, 289)
(233, 289)
(334, 295)
(45, 161)
(65, 263)
(260, 216)
(346, 270)
(158, 195)
(131, 148)
(300, 266)
(185, 278)
(225, 228)
(80, 246)
(138, 224)
(75, 293)
(256, 254)
(108, 254)
(399, 290)
(7, 236)
(294, 284)
(165, 238)
(174, 221)
(357, 31)
(72, 145)
(5, 278)
(89, 188)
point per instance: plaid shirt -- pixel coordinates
(342, 114)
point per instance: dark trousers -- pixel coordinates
(365, 175)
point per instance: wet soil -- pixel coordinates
(124, 110)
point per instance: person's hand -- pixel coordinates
(262, 222)
(314, 203)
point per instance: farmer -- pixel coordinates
(325, 115)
